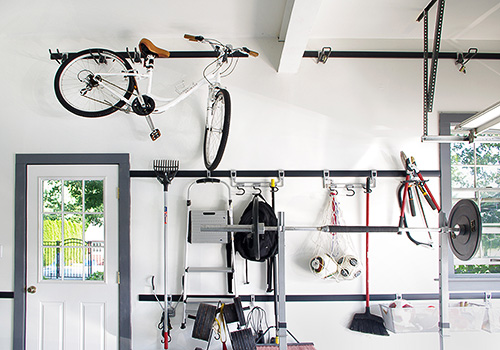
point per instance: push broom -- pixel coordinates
(165, 171)
(367, 322)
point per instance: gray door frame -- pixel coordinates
(124, 294)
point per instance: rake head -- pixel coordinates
(165, 170)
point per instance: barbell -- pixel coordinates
(463, 227)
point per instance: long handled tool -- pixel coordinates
(165, 171)
(367, 322)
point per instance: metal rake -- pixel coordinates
(165, 170)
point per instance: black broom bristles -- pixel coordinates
(368, 323)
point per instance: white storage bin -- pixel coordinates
(466, 318)
(425, 318)
(492, 320)
(419, 318)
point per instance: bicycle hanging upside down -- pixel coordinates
(97, 82)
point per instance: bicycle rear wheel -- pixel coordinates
(82, 90)
(217, 129)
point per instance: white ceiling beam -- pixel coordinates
(298, 20)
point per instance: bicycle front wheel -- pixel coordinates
(217, 129)
(94, 83)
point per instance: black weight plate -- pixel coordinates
(230, 315)
(205, 317)
(243, 339)
(465, 215)
(239, 311)
(234, 312)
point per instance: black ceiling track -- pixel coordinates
(312, 54)
(399, 55)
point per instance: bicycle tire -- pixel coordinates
(84, 96)
(217, 129)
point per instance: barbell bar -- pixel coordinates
(464, 228)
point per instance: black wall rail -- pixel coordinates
(288, 173)
(333, 297)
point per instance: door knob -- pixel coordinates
(31, 289)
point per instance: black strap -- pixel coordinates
(270, 272)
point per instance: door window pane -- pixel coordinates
(52, 229)
(95, 261)
(94, 196)
(52, 195)
(51, 263)
(73, 197)
(73, 263)
(73, 229)
(94, 228)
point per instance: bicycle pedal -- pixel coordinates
(155, 134)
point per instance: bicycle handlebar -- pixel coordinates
(193, 37)
(250, 52)
(200, 38)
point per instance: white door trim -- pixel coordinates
(22, 162)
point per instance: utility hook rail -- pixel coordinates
(97, 82)
(371, 182)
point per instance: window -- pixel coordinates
(72, 216)
(474, 173)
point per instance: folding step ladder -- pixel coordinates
(195, 235)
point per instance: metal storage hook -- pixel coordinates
(242, 191)
(350, 190)
(258, 189)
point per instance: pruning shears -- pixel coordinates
(412, 173)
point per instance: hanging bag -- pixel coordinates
(248, 244)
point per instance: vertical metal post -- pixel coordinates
(426, 74)
(435, 53)
(282, 327)
(444, 292)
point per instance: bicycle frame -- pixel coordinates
(211, 79)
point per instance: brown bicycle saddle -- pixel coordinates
(148, 48)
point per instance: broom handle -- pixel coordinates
(366, 250)
(165, 267)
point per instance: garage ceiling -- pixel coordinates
(300, 24)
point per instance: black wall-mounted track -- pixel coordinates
(288, 173)
(331, 297)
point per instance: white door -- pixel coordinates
(72, 257)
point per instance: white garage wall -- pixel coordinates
(347, 114)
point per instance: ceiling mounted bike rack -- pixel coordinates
(136, 56)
